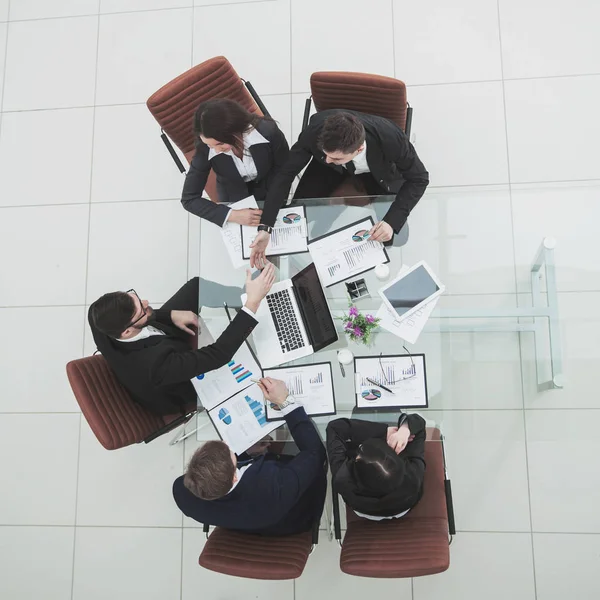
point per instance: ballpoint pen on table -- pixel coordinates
(342, 370)
(379, 385)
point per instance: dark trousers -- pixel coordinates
(319, 181)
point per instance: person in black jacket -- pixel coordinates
(269, 495)
(244, 150)
(150, 351)
(378, 470)
(340, 144)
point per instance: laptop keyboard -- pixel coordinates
(286, 324)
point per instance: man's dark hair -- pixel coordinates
(224, 120)
(378, 467)
(210, 472)
(341, 132)
(112, 313)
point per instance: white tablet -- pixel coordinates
(411, 290)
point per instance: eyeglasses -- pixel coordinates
(412, 368)
(134, 293)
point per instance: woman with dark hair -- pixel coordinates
(244, 150)
(378, 470)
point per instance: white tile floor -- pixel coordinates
(505, 94)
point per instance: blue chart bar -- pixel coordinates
(258, 409)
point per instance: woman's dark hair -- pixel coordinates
(112, 313)
(341, 132)
(378, 467)
(224, 120)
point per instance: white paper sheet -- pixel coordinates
(218, 385)
(311, 385)
(410, 328)
(346, 253)
(241, 421)
(232, 233)
(288, 236)
(403, 376)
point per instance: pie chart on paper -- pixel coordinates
(371, 394)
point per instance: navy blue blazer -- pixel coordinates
(273, 497)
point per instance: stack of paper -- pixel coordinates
(409, 328)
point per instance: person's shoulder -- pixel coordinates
(268, 127)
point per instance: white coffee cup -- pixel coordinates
(345, 356)
(382, 272)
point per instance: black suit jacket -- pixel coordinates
(268, 159)
(156, 371)
(390, 155)
(343, 438)
(273, 497)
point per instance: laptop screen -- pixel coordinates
(311, 298)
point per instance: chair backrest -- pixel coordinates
(115, 419)
(371, 94)
(174, 104)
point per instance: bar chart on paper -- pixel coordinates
(222, 383)
(258, 410)
(238, 370)
(311, 386)
(403, 375)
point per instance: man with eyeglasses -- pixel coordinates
(151, 351)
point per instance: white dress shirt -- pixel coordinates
(360, 161)
(148, 331)
(245, 165)
(239, 473)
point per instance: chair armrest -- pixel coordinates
(170, 426)
(337, 527)
(449, 506)
(257, 99)
(307, 105)
(167, 142)
(408, 126)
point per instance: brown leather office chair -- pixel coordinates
(370, 94)
(175, 103)
(116, 420)
(414, 545)
(256, 557)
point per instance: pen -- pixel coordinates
(255, 380)
(342, 370)
(379, 385)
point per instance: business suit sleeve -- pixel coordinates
(297, 475)
(278, 192)
(193, 188)
(416, 179)
(345, 434)
(178, 366)
(416, 448)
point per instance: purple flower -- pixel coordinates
(349, 325)
(358, 332)
(353, 312)
(370, 318)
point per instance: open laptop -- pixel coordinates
(294, 320)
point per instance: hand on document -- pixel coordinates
(382, 232)
(245, 216)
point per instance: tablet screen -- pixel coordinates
(411, 290)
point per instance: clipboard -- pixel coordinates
(288, 211)
(301, 367)
(387, 400)
(348, 226)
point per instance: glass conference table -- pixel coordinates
(220, 282)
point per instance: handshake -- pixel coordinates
(258, 288)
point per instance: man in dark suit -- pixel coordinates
(340, 144)
(377, 469)
(150, 351)
(271, 495)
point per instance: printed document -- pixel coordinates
(346, 252)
